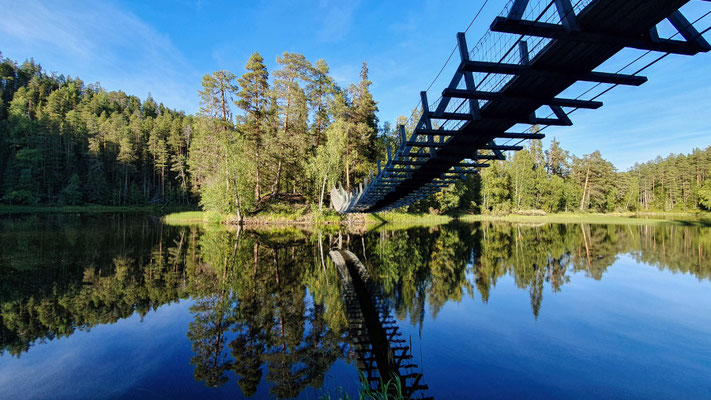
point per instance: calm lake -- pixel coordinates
(123, 306)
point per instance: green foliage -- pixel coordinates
(65, 142)
(553, 181)
(71, 193)
(62, 141)
(326, 166)
(705, 195)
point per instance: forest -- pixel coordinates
(290, 134)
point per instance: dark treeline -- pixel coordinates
(292, 132)
(65, 142)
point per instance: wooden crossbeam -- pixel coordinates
(504, 135)
(558, 32)
(437, 132)
(502, 148)
(545, 121)
(516, 120)
(488, 157)
(514, 135)
(516, 69)
(480, 95)
(404, 170)
(415, 155)
(407, 162)
(473, 165)
(426, 144)
(451, 116)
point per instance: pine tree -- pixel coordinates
(288, 89)
(216, 95)
(253, 100)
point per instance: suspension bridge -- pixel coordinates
(533, 52)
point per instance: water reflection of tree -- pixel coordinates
(260, 310)
(268, 306)
(431, 266)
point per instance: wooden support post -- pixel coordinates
(379, 168)
(562, 116)
(517, 9)
(425, 111)
(687, 30)
(442, 106)
(567, 14)
(523, 52)
(468, 76)
(496, 151)
(389, 155)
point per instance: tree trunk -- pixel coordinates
(585, 189)
(285, 127)
(257, 188)
(224, 104)
(348, 161)
(240, 217)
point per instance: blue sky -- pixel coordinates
(164, 47)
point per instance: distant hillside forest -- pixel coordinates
(291, 135)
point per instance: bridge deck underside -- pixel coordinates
(625, 18)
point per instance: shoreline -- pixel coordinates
(177, 215)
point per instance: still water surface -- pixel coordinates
(121, 306)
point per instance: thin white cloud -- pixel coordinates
(336, 18)
(99, 42)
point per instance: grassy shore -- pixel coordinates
(259, 219)
(302, 215)
(695, 219)
(398, 220)
(193, 217)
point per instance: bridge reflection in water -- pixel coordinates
(382, 353)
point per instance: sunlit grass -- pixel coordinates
(193, 217)
(695, 219)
